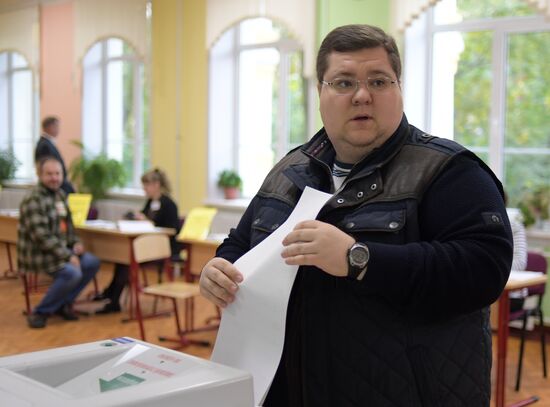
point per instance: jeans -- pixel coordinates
(68, 282)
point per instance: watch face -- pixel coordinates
(359, 256)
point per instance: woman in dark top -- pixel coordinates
(163, 212)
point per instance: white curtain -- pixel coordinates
(297, 16)
(98, 19)
(19, 32)
(404, 12)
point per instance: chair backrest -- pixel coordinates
(536, 262)
(151, 247)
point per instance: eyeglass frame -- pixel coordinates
(358, 81)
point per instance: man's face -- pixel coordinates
(358, 122)
(51, 175)
(53, 129)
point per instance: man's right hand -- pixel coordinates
(75, 261)
(219, 280)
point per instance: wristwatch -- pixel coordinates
(358, 259)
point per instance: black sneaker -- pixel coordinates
(109, 309)
(67, 313)
(37, 320)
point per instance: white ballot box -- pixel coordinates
(120, 372)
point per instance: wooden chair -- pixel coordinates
(535, 262)
(156, 247)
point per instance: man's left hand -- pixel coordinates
(78, 249)
(319, 244)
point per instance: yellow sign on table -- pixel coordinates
(79, 205)
(197, 223)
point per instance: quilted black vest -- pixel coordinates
(346, 346)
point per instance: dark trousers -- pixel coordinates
(121, 278)
(119, 281)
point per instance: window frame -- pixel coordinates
(281, 144)
(10, 140)
(501, 28)
(138, 72)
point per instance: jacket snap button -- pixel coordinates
(373, 186)
(275, 226)
(340, 200)
(256, 221)
(394, 225)
(350, 225)
(360, 194)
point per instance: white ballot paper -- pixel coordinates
(252, 329)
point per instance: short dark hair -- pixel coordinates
(355, 37)
(43, 160)
(48, 121)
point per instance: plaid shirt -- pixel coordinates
(46, 231)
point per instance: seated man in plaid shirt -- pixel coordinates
(47, 243)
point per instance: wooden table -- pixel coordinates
(503, 332)
(199, 252)
(8, 237)
(115, 246)
(107, 243)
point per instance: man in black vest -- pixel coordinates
(46, 148)
(390, 304)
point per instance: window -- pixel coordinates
(17, 111)
(115, 119)
(485, 83)
(257, 101)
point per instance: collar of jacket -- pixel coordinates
(321, 152)
(44, 190)
(46, 136)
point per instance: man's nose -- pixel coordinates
(362, 93)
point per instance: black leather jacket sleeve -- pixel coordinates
(238, 241)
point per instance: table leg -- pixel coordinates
(502, 344)
(134, 293)
(502, 348)
(187, 265)
(11, 271)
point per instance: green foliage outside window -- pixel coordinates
(527, 117)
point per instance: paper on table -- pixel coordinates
(252, 329)
(135, 226)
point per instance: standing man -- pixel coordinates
(46, 148)
(390, 303)
(47, 243)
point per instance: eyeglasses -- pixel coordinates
(345, 86)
